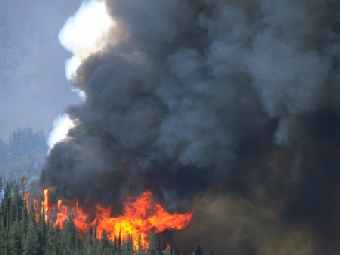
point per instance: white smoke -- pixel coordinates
(83, 33)
(61, 127)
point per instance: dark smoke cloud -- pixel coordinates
(210, 98)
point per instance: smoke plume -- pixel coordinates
(220, 106)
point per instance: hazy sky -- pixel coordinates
(34, 90)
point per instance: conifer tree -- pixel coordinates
(14, 239)
(31, 243)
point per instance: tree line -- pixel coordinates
(22, 154)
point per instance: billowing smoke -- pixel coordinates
(232, 102)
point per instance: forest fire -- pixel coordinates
(141, 218)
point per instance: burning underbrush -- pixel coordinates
(141, 217)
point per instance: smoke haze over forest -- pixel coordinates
(34, 90)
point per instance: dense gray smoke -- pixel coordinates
(198, 99)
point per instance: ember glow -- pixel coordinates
(141, 217)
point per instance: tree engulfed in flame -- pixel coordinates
(140, 218)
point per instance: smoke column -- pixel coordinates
(229, 108)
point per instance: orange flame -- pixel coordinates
(141, 218)
(46, 205)
(62, 215)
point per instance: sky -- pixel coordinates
(33, 87)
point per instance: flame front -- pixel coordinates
(141, 218)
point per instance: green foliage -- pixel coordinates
(21, 234)
(31, 242)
